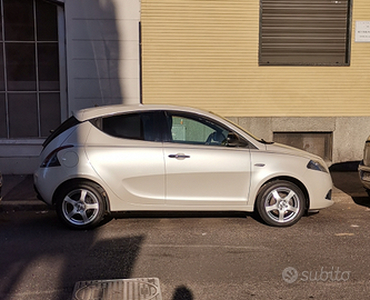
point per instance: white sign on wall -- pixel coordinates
(362, 31)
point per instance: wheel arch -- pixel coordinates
(293, 180)
(82, 180)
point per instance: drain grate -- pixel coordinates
(120, 289)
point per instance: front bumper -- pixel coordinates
(364, 173)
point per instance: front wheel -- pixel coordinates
(81, 205)
(280, 203)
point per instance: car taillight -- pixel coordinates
(52, 159)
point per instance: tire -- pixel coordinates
(81, 205)
(280, 203)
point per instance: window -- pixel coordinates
(304, 32)
(197, 131)
(139, 126)
(29, 69)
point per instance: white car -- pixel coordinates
(158, 157)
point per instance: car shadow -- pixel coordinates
(74, 255)
(345, 177)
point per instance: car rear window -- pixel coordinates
(144, 126)
(125, 126)
(70, 122)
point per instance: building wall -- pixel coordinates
(30, 90)
(102, 42)
(201, 53)
(99, 65)
(348, 133)
(205, 54)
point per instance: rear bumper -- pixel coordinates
(38, 195)
(364, 173)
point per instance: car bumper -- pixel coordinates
(364, 173)
(45, 190)
(320, 190)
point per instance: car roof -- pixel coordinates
(111, 110)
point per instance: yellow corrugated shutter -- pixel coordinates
(204, 53)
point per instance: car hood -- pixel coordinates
(284, 149)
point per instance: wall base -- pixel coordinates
(348, 133)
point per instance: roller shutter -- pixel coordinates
(304, 32)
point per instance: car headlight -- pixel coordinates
(317, 165)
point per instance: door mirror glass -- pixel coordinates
(234, 140)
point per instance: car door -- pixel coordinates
(202, 169)
(126, 152)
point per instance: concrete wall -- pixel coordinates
(103, 61)
(103, 67)
(349, 133)
(99, 62)
(19, 156)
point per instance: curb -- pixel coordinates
(18, 194)
(23, 205)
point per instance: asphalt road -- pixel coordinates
(202, 256)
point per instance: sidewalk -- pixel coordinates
(19, 195)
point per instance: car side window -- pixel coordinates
(189, 130)
(137, 126)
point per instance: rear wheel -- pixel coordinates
(81, 205)
(280, 203)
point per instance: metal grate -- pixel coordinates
(120, 289)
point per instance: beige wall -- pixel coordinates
(205, 53)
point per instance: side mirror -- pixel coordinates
(233, 140)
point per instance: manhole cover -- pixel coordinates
(120, 289)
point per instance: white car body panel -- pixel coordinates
(269, 165)
(134, 170)
(205, 177)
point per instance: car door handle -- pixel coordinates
(179, 156)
